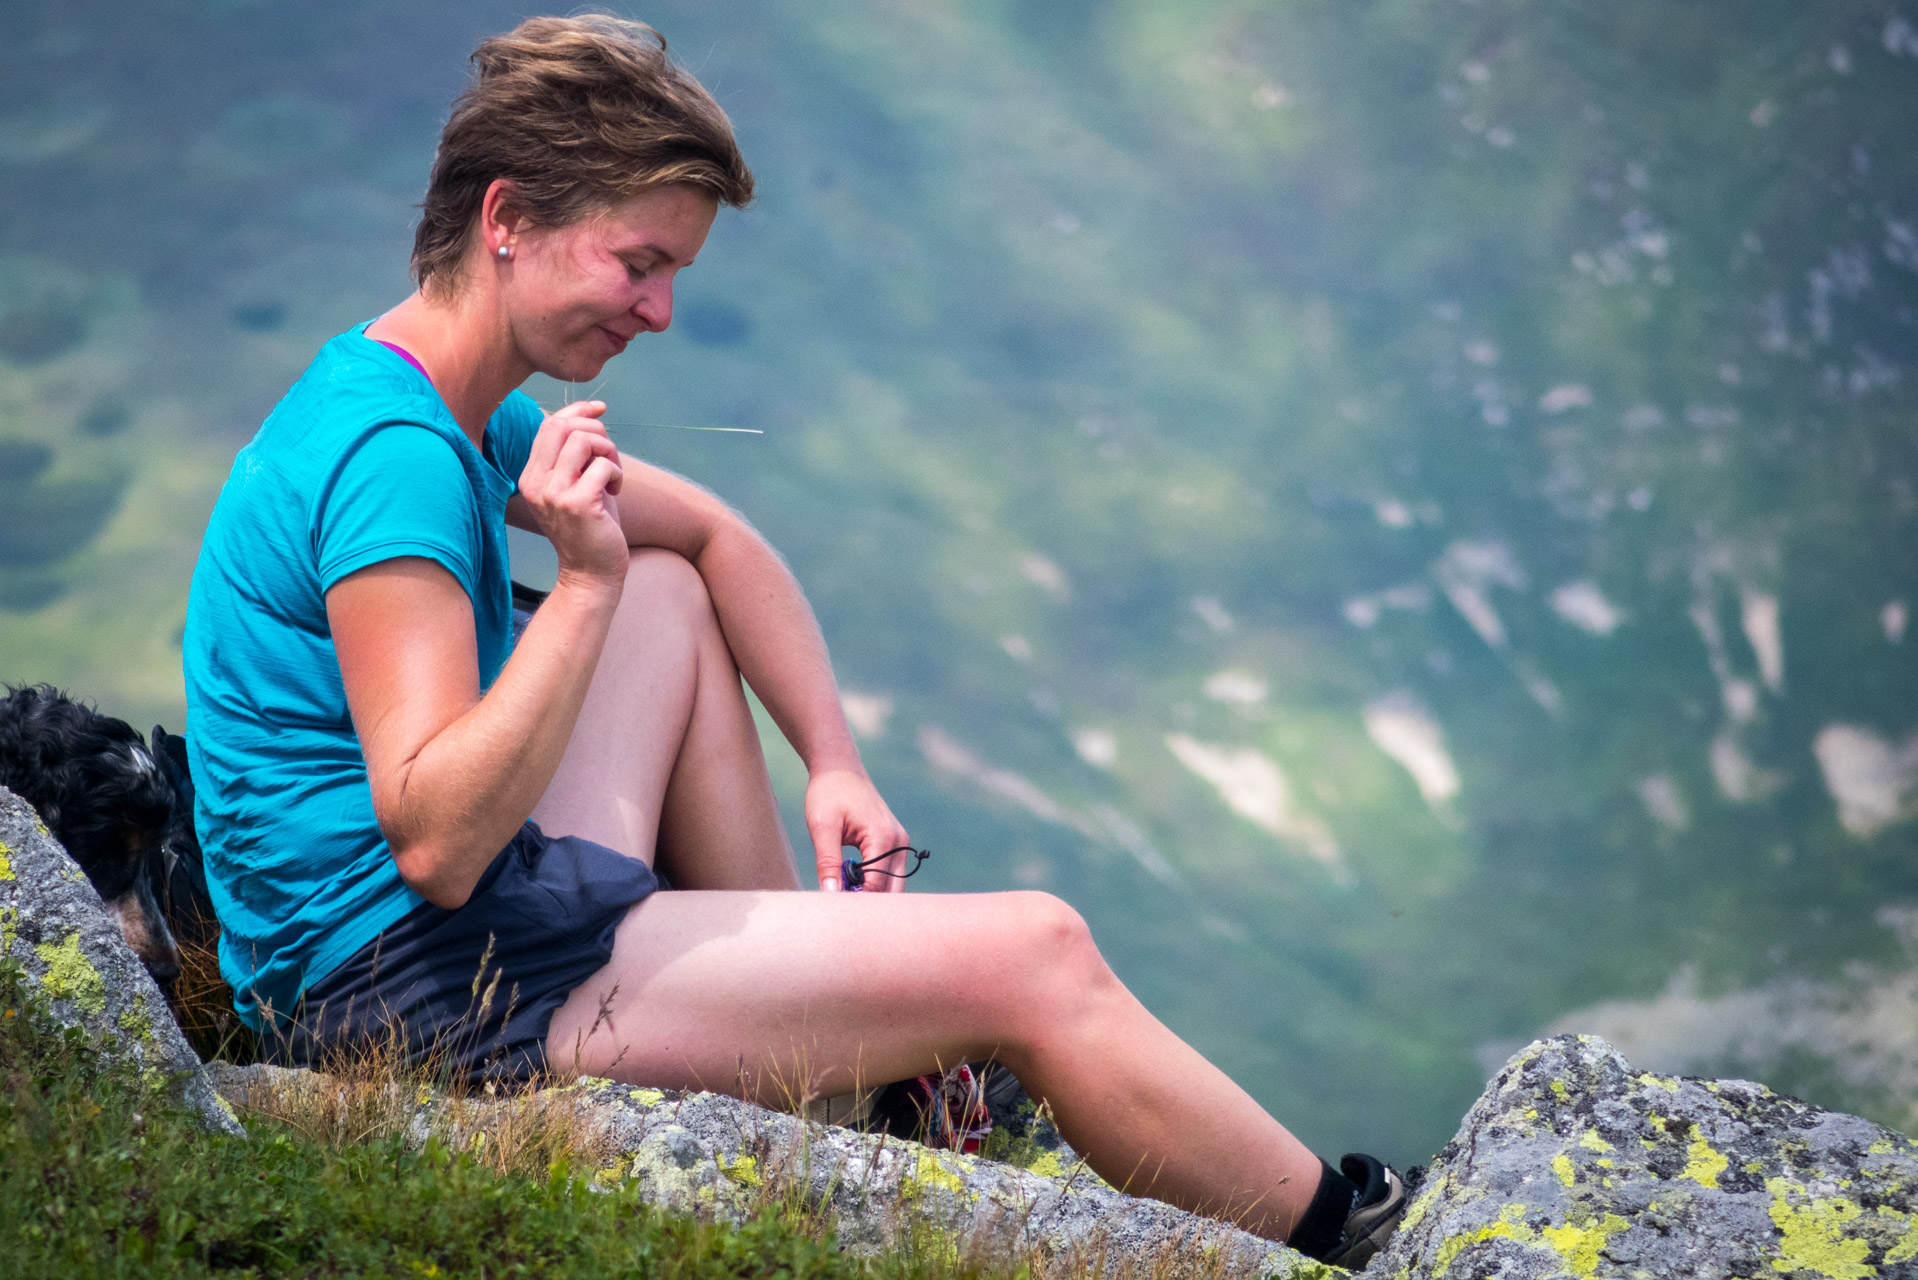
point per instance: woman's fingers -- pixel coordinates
(557, 431)
(843, 808)
(877, 847)
(571, 478)
(578, 453)
(828, 828)
(599, 480)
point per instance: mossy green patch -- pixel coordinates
(137, 1024)
(71, 976)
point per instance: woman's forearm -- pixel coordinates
(777, 644)
(470, 786)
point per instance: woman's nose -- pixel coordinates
(655, 306)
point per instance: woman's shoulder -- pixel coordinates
(352, 374)
(348, 389)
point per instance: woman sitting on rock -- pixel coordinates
(403, 784)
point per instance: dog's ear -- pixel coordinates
(185, 903)
(170, 750)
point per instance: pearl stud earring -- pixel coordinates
(505, 252)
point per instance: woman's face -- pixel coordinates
(576, 295)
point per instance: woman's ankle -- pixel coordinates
(1321, 1228)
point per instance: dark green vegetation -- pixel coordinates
(1170, 406)
(99, 1177)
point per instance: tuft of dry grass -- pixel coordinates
(370, 1093)
(202, 1004)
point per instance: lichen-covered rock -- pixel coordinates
(721, 1158)
(54, 926)
(1574, 1164)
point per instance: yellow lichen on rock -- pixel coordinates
(1048, 1165)
(743, 1171)
(931, 1171)
(1592, 1142)
(1562, 1166)
(1813, 1236)
(1907, 1248)
(646, 1097)
(1428, 1196)
(1704, 1164)
(1579, 1246)
(71, 976)
(1509, 1226)
(6, 861)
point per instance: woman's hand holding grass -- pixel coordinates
(572, 481)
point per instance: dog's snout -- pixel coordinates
(164, 968)
(145, 930)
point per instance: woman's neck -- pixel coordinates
(465, 349)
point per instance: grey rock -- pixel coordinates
(55, 927)
(718, 1157)
(1574, 1164)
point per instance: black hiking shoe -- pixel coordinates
(1375, 1214)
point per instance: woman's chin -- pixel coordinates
(575, 366)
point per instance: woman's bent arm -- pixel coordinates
(453, 774)
(776, 642)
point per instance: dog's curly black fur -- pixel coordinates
(114, 806)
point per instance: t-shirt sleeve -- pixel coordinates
(512, 429)
(401, 491)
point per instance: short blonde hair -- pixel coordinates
(577, 113)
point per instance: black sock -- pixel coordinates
(1323, 1226)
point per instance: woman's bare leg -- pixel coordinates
(665, 755)
(781, 997)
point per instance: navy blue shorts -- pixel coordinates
(470, 992)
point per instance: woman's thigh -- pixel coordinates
(612, 779)
(664, 758)
(813, 994)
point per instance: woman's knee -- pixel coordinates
(1050, 955)
(663, 589)
(665, 578)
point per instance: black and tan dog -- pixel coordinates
(122, 808)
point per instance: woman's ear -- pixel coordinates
(500, 220)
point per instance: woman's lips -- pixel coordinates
(619, 343)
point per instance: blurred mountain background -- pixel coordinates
(1400, 510)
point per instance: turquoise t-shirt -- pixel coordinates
(361, 462)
